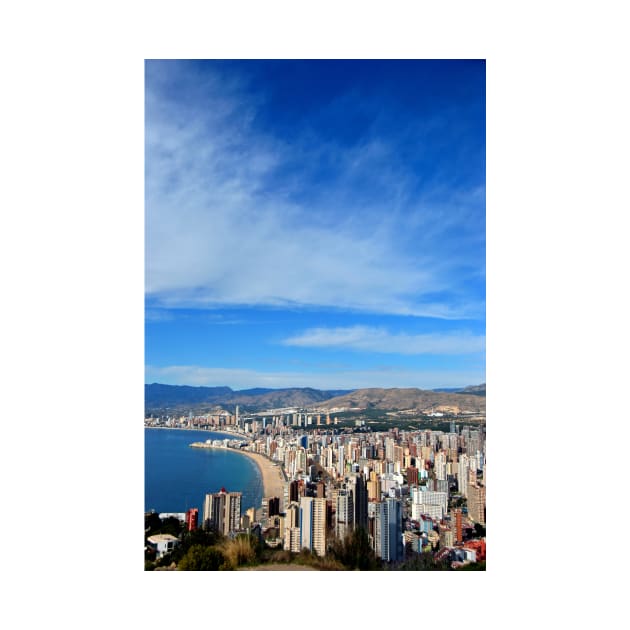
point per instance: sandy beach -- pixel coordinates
(273, 480)
(271, 473)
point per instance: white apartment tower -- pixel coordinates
(222, 511)
(345, 514)
(462, 475)
(313, 524)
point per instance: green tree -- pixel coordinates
(152, 523)
(422, 562)
(355, 552)
(171, 525)
(474, 566)
(200, 558)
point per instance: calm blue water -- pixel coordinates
(178, 477)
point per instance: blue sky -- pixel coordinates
(315, 223)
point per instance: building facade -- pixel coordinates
(222, 511)
(313, 525)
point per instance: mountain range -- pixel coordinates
(411, 398)
(161, 398)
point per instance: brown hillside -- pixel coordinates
(409, 398)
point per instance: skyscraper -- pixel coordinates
(358, 486)
(462, 475)
(292, 528)
(388, 530)
(412, 476)
(344, 522)
(313, 524)
(222, 511)
(270, 507)
(457, 512)
(440, 466)
(477, 503)
(191, 519)
(341, 460)
(293, 491)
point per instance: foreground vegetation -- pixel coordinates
(202, 550)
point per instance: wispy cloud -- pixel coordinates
(158, 315)
(376, 339)
(328, 379)
(238, 217)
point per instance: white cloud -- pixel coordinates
(158, 315)
(328, 379)
(375, 339)
(222, 230)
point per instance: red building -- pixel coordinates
(458, 525)
(479, 547)
(191, 519)
(412, 476)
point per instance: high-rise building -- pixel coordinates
(477, 503)
(292, 539)
(440, 466)
(418, 510)
(344, 522)
(374, 487)
(292, 528)
(388, 530)
(422, 497)
(274, 506)
(300, 460)
(462, 475)
(270, 507)
(412, 476)
(293, 492)
(389, 449)
(397, 456)
(192, 516)
(313, 524)
(457, 513)
(341, 460)
(358, 486)
(222, 511)
(446, 536)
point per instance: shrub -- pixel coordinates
(200, 558)
(239, 551)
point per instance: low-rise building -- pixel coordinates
(162, 543)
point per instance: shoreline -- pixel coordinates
(272, 475)
(226, 434)
(270, 472)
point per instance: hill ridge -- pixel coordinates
(160, 397)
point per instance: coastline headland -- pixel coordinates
(271, 472)
(229, 435)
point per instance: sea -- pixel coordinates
(178, 477)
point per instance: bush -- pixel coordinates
(355, 552)
(424, 561)
(241, 550)
(200, 558)
(282, 556)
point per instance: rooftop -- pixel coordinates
(161, 538)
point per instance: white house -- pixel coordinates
(163, 543)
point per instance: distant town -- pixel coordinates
(412, 497)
